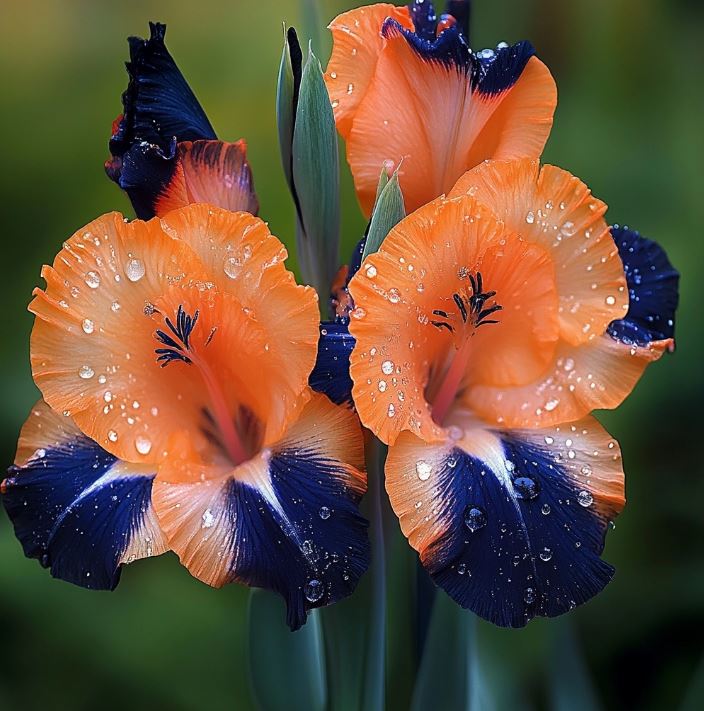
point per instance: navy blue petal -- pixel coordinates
(424, 19)
(517, 549)
(653, 290)
(312, 547)
(145, 172)
(331, 374)
(449, 48)
(158, 103)
(77, 511)
(495, 71)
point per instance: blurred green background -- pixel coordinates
(630, 76)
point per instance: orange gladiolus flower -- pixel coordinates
(164, 151)
(406, 88)
(173, 358)
(488, 327)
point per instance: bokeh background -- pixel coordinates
(629, 122)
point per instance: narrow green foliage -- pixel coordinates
(450, 675)
(287, 669)
(389, 210)
(316, 180)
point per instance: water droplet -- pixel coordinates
(391, 411)
(40, 453)
(585, 498)
(231, 267)
(545, 509)
(115, 306)
(88, 325)
(93, 280)
(462, 568)
(474, 518)
(387, 367)
(394, 296)
(86, 372)
(610, 300)
(143, 444)
(358, 313)
(313, 590)
(134, 270)
(550, 405)
(529, 597)
(530, 218)
(548, 439)
(112, 436)
(371, 271)
(455, 433)
(423, 470)
(324, 513)
(208, 519)
(526, 488)
(546, 554)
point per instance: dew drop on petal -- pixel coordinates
(324, 513)
(86, 372)
(93, 280)
(387, 367)
(526, 488)
(208, 519)
(545, 554)
(313, 590)
(474, 518)
(423, 470)
(88, 326)
(134, 270)
(231, 267)
(143, 445)
(112, 436)
(584, 498)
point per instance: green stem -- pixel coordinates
(374, 682)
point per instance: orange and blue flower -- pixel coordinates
(173, 358)
(406, 88)
(164, 151)
(488, 327)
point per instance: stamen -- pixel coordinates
(179, 348)
(470, 308)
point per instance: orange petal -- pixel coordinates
(551, 207)
(402, 346)
(285, 520)
(357, 42)
(593, 376)
(112, 288)
(212, 172)
(425, 116)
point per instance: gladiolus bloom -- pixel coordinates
(165, 153)
(488, 327)
(173, 358)
(406, 88)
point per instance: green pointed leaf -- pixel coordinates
(450, 674)
(388, 212)
(316, 180)
(287, 669)
(287, 97)
(569, 684)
